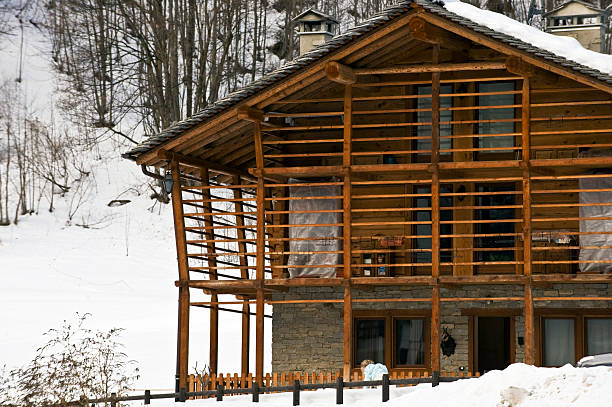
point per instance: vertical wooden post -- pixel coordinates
(526, 155)
(435, 214)
(244, 274)
(347, 252)
(211, 260)
(260, 258)
(181, 251)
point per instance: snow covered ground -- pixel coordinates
(517, 386)
(120, 270)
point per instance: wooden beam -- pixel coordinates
(339, 73)
(348, 331)
(242, 247)
(517, 66)
(529, 326)
(526, 157)
(181, 251)
(442, 67)
(423, 31)
(250, 114)
(260, 258)
(435, 213)
(346, 206)
(199, 163)
(212, 261)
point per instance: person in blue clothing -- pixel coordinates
(372, 370)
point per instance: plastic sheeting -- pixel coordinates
(596, 225)
(324, 232)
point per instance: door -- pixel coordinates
(492, 343)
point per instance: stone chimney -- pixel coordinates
(580, 20)
(314, 29)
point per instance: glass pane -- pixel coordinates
(425, 117)
(409, 342)
(599, 336)
(558, 341)
(496, 114)
(370, 343)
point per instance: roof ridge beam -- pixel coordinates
(423, 31)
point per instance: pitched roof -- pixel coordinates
(318, 13)
(584, 3)
(339, 41)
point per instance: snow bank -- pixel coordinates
(566, 47)
(519, 385)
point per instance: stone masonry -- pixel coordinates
(309, 337)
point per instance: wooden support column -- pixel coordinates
(182, 354)
(260, 258)
(526, 157)
(212, 262)
(435, 214)
(465, 243)
(244, 274)
(346, 206)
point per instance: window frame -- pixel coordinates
(495, 155)
(390, 316)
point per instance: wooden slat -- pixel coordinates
(181, 249)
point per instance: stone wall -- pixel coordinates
(309, 337)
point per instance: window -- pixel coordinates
(425, 229)
(425, 117)
(494, 228)
(559, 341)
(568, 335)
(397, 338)
(370, 340)
(409, 342)
(598, 335)
(497, 120)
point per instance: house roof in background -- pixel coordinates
(313, 11)
(504, 29)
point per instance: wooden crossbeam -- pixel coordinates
(442, 67)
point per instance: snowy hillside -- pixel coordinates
(117, 263)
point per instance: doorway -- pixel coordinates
(493, 348)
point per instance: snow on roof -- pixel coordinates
(567, 47)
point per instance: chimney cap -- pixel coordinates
(323, 16)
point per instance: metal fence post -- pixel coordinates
(385, 388)
(220, 392)
(339, 388)
(296, 392)
(182, 395)
(147, 397)
(435, 378)
(255, 392)
(113, 399)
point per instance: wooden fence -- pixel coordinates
(228, 385)
(199, 383)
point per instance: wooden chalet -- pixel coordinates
(420, 190)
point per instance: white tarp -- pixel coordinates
(324, 235)
(595, 225)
